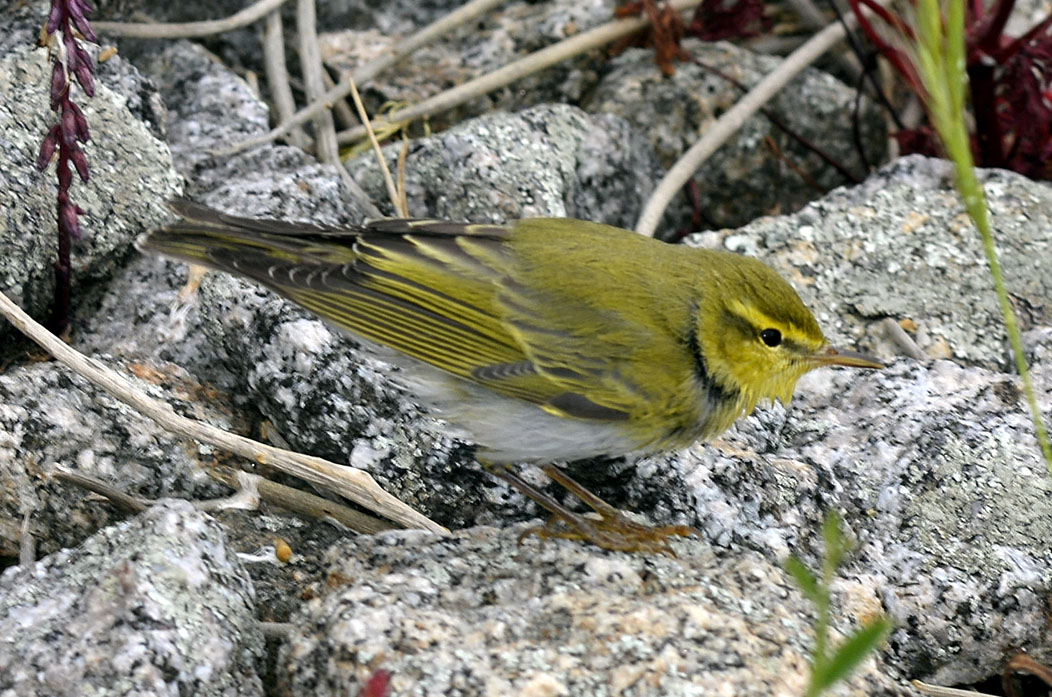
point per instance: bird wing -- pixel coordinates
(452, 295)
(604, 324)
(402, 283)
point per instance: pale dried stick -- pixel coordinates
(295, 500)
(731, 121)
(940, 691)
(534, 62)
(367, 72)
(302, 502)
(350, 482)
(403, 195)
(392, 191)
(904, 340)
(189, 30)
(325, 146)
(278, 77)
(326, 149)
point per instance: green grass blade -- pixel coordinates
(848, 655)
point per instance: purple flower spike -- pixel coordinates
(69, 19)
(47, 148)
(55, 17)
(80, 161)
(59, 85)
(78, 12)
(80, 124)
(85, 79)
(69, 222)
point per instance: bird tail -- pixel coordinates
(211, 238)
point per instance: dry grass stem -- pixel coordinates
(346, 481)
(392, 191)
(189, 30)
(516, 70)
(732, 120)
(462, 15)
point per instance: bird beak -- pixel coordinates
(852, 359)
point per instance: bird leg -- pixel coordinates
(612, 530)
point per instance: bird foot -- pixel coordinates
(613, 531)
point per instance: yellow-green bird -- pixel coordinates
(542, 340)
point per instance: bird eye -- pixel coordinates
(771, 337)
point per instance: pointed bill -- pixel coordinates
(831, 355)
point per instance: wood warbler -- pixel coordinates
(541, 340)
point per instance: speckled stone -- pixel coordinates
(548, 160)
(153, 606)
(481, 614)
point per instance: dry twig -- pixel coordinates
(189, 30)
(516, 70)
(732, 120)
(346, 481)
(367, 72)
(326, 149)
(278, 77)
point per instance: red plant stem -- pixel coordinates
(61, 311)
(892, 54)
(1001, 55)
(987, 36)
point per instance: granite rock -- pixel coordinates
(153, 606)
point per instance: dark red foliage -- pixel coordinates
(1010, 79)
(664, 33)
(378, 685)
(715, 20)
(920, 141)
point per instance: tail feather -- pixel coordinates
(212, 238)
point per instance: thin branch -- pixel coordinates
(392, 190)
(904, 340)
(732, 120)
(326, 149)
(868, 73)
(189, 30)
(814, 20)
(367, 72)
(534, 62)
(346, 481)
(340, 109)
(95, 485)
(940, 691)
(278, 77)
(784, 127)
(302, 502)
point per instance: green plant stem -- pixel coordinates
(941, 64)
(979, 212)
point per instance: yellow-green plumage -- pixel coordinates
(541, 340)
(648, 346)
